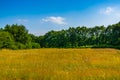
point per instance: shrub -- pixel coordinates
(20, 45)
(35, 45)
(6, 40)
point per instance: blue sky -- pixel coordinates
(41, 16)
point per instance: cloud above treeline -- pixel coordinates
(56, 20)
(114, 11)
(108, 10)
(23, 20)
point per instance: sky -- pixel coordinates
(41, 16)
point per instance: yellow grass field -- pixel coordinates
(60, 64)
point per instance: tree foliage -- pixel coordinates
(6, 40)
(98, 36)
(17, 37)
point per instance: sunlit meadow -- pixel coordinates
(60, 64)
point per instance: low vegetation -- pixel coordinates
(60, 64)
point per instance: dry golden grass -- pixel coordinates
(60, 64)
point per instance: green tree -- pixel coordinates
(82, 34)
(72, 37)
(6, 40)
(116, 34)
(19, 33)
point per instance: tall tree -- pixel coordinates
(6, 40)
(19, 32)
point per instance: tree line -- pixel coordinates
(17, 37)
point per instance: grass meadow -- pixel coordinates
(60, 64)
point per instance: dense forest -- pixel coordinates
(17, 37)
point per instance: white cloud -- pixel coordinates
(108, 10)
(22, 20)
(56, 20)
(111, 11)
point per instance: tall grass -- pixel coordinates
(60, 64)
